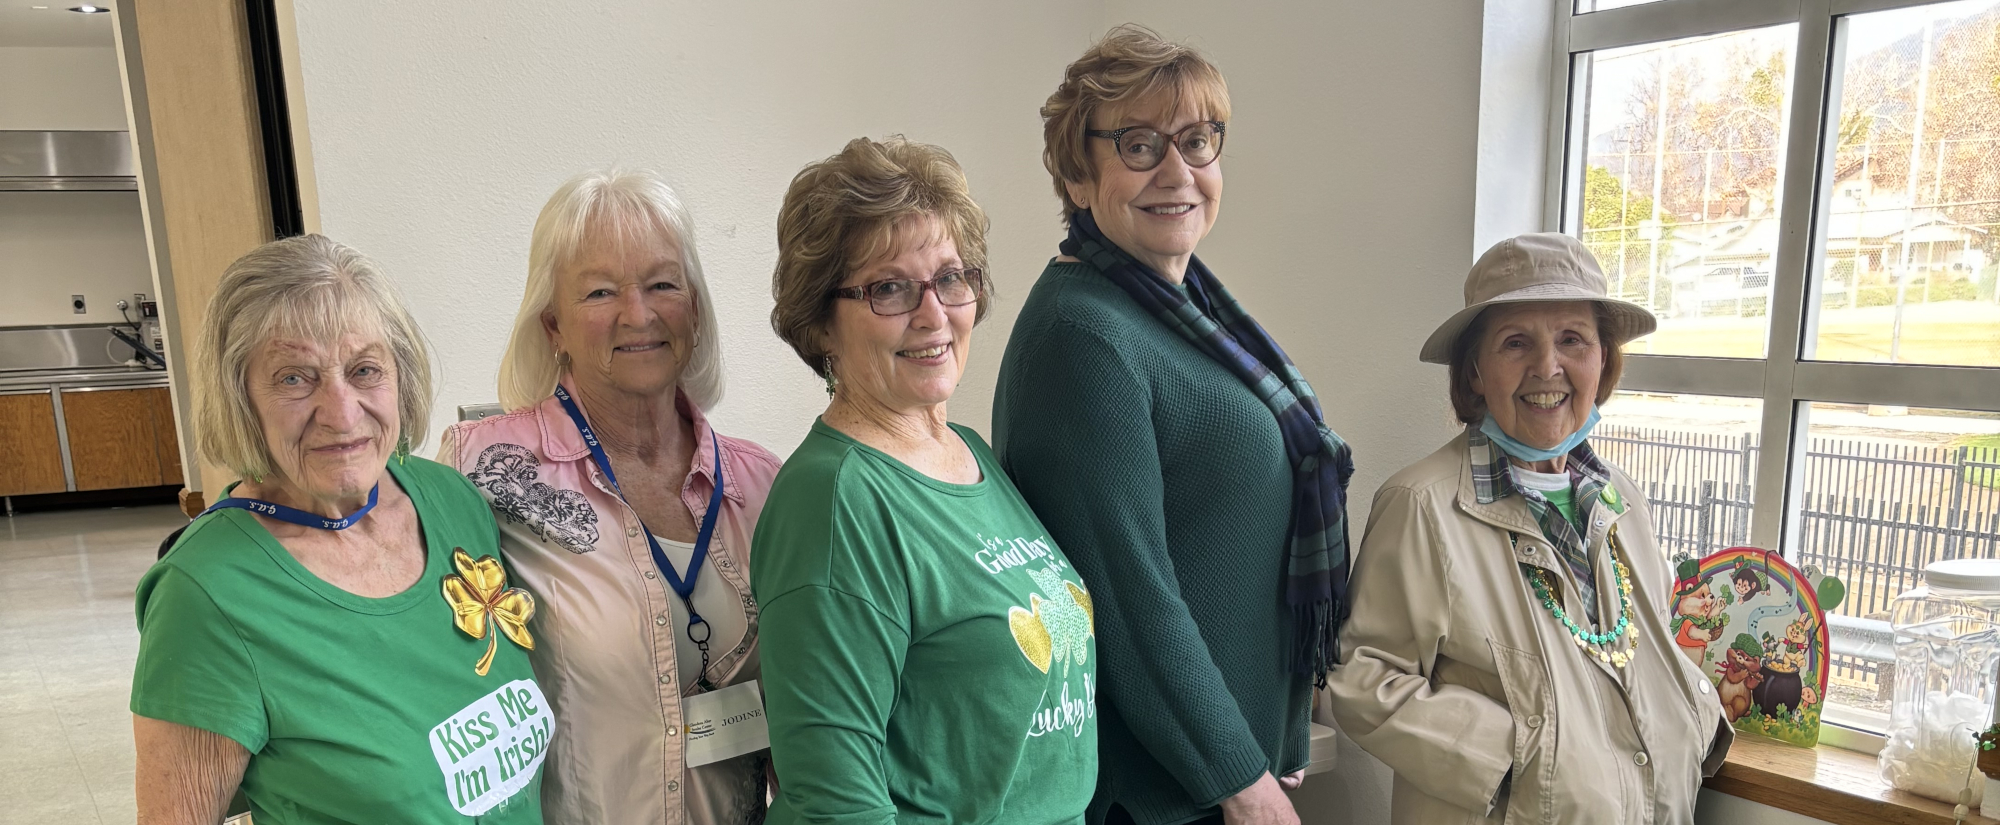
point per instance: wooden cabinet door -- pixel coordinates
(166, 441)
(111, 440)
(30, 454)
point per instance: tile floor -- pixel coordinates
(67, 641)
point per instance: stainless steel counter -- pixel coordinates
(12, 381)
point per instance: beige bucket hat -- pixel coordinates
(1541, 267)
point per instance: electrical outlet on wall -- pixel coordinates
(76, 304)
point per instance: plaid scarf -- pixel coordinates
(1209, 317)
(1493, 479)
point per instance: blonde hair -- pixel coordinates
(848, 211)
(630, 204)
(311, 287)
(1131, 66)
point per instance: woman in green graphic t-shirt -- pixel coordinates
(336, 640)
(928, 651)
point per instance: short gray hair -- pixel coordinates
(315, 288)
(631, 203)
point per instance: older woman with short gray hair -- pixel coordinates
(337, 638)
(625, 510)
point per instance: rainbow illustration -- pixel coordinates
(1790, 596)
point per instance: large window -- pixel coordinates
(1807, 194)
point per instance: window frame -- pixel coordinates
(1786, 381)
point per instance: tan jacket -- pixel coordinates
(1455, 675)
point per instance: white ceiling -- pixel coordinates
(21, 24)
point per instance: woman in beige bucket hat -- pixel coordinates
(1509, 653)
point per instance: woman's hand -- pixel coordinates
(185, 775)
(1263, 803)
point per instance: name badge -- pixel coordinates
(724, 724)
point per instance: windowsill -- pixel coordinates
(1827, 783)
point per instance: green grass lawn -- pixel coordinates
(1985, 448)
(1962, 333)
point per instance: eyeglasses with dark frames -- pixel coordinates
(1143, 147)
(896, 296)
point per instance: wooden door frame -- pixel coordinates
(190, 94)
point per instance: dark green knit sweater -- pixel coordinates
(1165, 480)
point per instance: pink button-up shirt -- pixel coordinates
(604, 626)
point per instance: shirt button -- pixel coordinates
(660, 620)
(631, 531)
(1534, 721)
(1704, 686)
(649, 574)
(664, 678)
(1640, 759)
(673, 731)
(673, 786)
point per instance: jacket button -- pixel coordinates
(673, 786)
(649, 574)
(660, 620)
(673, 730)
(665, 679)
(631, 531)
(1640, 759)
(1534, 721)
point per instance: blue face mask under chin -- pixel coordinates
(1515, 449)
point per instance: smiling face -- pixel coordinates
(623, 314)
(1159, 215)
(910, 362)
(1537, 366)
(329, 414)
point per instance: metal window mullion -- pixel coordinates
(1912, 385)
(1845, 7)
(1562, 71)
(1738, 377)
(1657, 22)
(1774, 493)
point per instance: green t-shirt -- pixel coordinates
(928, 653)
(1564, 500)
(354, 710)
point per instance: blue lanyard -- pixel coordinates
(684, 588)
(299, 517)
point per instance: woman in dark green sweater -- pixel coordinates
(1174, 453)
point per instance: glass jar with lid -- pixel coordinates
(1947, 645)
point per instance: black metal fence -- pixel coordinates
(1871, 514)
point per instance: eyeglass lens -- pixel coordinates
(1142, 148)
(900, 295)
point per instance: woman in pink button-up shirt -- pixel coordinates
(616, 311)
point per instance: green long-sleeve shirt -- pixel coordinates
(1165, 480)
(926, 648)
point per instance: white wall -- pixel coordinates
(57, 244)
(438, 131)
(61, 88)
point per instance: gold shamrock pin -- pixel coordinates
(480, 590)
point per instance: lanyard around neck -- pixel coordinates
(682, 587)
(292, 515)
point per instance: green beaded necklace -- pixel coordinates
(1595, 644)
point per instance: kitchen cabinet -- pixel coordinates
(30, 449)
(121, 438)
